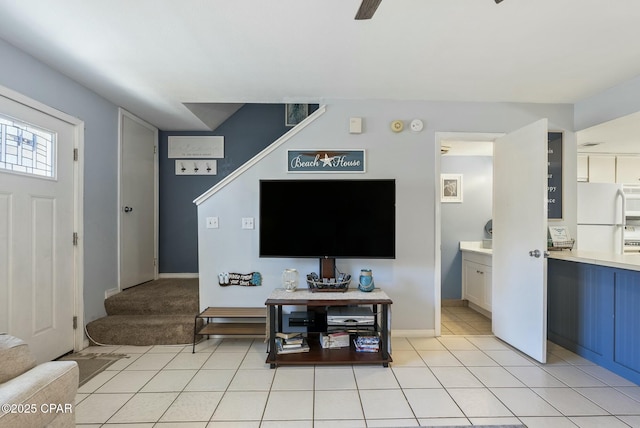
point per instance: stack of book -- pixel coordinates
(288, 343)
(339, 339)
(367, 343)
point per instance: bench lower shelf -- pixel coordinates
(318, 355)
(233, 328)
(230, 327)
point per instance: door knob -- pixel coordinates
(128, 209)
(535, 253)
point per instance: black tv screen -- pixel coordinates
(328, 218)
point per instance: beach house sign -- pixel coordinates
(331, 160)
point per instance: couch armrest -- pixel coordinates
(40, 389)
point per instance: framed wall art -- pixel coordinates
(295, 113)
(451, 188)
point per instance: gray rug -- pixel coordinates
(91, 364)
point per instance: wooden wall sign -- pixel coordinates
(195, 146)
(325, 161)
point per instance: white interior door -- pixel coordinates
(37, 219)
(519, 307)
(138, 201)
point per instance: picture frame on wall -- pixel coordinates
(295, 113)
(451, 188)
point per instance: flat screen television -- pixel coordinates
(328, 219)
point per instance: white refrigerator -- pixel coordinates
(600, 216)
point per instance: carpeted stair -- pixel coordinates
(160, 312)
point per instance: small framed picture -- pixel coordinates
(295, 113)
(451, 188)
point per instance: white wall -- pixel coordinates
(408, 157)
(613, 103)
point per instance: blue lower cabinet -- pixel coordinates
(627, 320)
(594, 311)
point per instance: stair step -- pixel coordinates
(142, 330)
(166, 296)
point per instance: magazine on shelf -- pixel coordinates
(296, 341)
(289, 335)
(304, 347)
(339, 339)
(367, 343)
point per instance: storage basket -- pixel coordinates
(321, 286)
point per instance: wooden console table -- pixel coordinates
(317, 354)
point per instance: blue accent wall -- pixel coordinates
(465, 221)
(248, 131)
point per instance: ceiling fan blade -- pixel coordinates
(498, 1)
(367, 9)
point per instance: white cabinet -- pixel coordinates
(476, 279)
(602, 169)
(628, 169)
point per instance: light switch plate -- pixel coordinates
(212, 222)
(355, 125)
(247, 222)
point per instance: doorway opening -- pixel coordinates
(465, 305)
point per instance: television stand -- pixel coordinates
(377, 298)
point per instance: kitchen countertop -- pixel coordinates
(475, 247)
(630, 261)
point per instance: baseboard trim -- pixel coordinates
(178, 275)
(477, 308)
(110, 292)
(413, 333)
(454, 303)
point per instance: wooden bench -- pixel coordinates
(231, 328)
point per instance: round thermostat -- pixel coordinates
(416, 125)
(397, 126)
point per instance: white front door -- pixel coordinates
(37, 218)
(138, 201)
(519, 307)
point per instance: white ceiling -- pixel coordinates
(616, 136)
(152, 56)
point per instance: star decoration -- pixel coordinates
(327, 160)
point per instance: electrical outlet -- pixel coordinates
(247, 222)
(212, 222)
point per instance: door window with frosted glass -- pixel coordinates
(26, 149)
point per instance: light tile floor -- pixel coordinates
(463, 320)
(450, 380)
